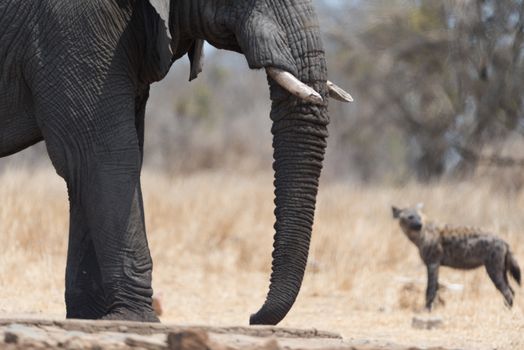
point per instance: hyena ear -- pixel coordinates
(420, 206)
(396, 212)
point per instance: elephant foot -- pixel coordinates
(85, 305)
(134, 316)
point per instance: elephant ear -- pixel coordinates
(158, 40)
(196, 57)
(162, 7)
(164, 41)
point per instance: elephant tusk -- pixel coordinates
(289, 82)
(338, 93)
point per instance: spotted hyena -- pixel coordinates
(458, 247)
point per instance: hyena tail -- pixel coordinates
(513, 267)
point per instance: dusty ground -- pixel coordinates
(211, 236)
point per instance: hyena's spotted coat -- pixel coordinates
(460, 248)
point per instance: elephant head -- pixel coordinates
(282, 37)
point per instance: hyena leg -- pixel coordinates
(431, 290)
(497, 274)
(505, 274)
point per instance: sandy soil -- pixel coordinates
(211, 235)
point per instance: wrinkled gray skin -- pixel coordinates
(76, 74)
(460, 248)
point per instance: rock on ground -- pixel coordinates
(75, 334)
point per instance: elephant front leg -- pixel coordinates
(116, 218)
(85, 298)
(109, 267)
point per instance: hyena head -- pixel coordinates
(410, 220)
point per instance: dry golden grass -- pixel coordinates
(211, 235)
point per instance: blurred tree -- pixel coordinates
(488, 58)
(437, 86)
(448, 75)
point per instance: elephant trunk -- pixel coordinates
(299, 150)
(299, 141)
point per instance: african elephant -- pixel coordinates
(76, 74)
